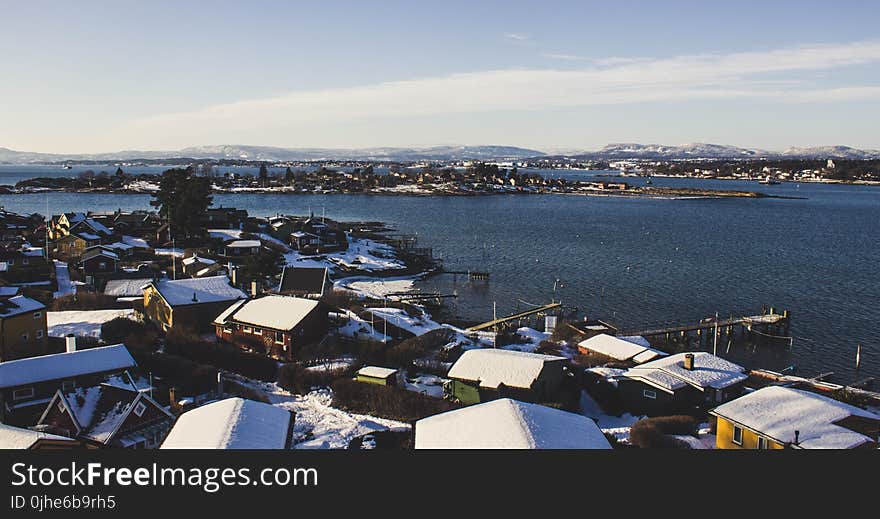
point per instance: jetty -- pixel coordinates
(768, 324)
(501, 320)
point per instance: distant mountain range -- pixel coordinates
(618, 151)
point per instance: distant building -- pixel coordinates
(106, 415)
(680, 382)
(310, 282)
(233, 423)
(777, 417)
(508, 424)
(279, 324)
(26, 385)
(19, 438)
(99, 260)
(192, 303)
(619, 349)
(486, 374)
(239, 248)
(23, 329)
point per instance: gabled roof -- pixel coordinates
(190, 291)
(19, 305)
(669, 374)
(99, 411)
(241, 244)
(777, 412)
(508, 424)
(57, 366)
(192, 259)
(492, 367)
(233, 423)
(98, 251)
(308, 280)
(275, 312)
(376, 372)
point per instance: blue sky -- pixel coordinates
(92, 76)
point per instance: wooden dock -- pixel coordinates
(520, 315)
(767, 324)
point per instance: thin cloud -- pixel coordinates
(517, 37)
(682, 78)
(565, 57)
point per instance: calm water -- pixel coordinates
(634, 261)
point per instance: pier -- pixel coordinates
(501, 320)
(471, 274)
(768, 324)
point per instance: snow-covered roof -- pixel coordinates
(100, 410)
(244, 244)
(192, 259)
(212, 289)
(19, 305)
(276, 312)
(233, 423)
(777, 412)
(126, 287)
(376, 372)
(18, 438)
(508, 424)
(120, 246)
(669, 374)
(492, 367)
(135, 242)
(9, 291)
(58, 366)
(613, 347)
(88, 236)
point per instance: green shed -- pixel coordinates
(377, 375)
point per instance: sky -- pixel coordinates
(103, 76)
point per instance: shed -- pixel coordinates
(377, 375)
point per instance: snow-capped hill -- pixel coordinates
(838, 152)
(663, 151)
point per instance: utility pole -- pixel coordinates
(715, 346)
(495, 327)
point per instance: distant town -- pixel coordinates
(194, 326)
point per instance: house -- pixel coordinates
(225, 217)
(508, 424)
(777, 417)
(238, 248)
(308, 282)
(60, 224)
(21, 263)
(91, 226)
(73, 245)
(13, 225)
(106, 415)
(680, 382)
(232, 423)
(26, 385)
(194, 264)
(135, 223)
(192, 303)
(485, 374)
(98, 260)
(314, 236)
(377, 375)
(279, 323)
(619, 349)
(17, 438)
(23, 328)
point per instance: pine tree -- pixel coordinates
(183, 200)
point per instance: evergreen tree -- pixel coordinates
(183, 200)
(264, 174)
(288, 175)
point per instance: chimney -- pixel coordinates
(254, 289)
(233, 272)
(220, 383)
(70, 342)
(172, 397)
(796, 437)
(689, 361)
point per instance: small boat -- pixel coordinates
(769, 180)
(649, 181)
(68, 166)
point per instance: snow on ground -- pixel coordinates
(534, 336)
(362, 253)
(142, 185)
(618, 426)
(225, 234)
(332, 365)
(177, 253)
(317, 425)
(62, 275)
(82, 322)
(377, 288)
(357, 327)
(430, 385)
(399, 318)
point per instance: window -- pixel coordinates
(61, 408)
(763, 443)
(39, 334)
(37, 315)
(139, 409)
(67, 385)
(737, 435)
(102, 265)
(21, 394)
(258, 331)
(247, 329)
(279, 337)
(24, 337)
(24, 261)
(647, 393)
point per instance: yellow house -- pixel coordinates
(23, 328)
(191, 302)
(778, 417)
